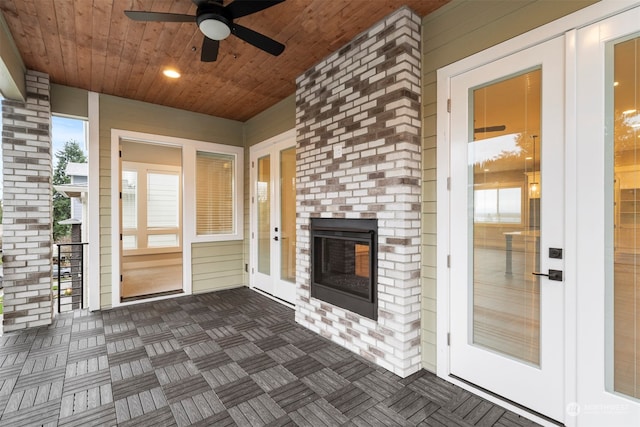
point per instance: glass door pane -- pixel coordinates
(626, 217)
(288, 214)
(504, 156)
(264, 214)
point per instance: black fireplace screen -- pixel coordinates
(344, 263)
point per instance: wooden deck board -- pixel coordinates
(226, 358)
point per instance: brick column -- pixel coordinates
(27, 205)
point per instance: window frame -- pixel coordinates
(237, 153)
(234, 167)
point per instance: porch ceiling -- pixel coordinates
(92, 45)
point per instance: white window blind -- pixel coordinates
(214, 193)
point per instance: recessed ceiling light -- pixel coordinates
(616, 83)
(171, 73)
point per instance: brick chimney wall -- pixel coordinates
(358, 156)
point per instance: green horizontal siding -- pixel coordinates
(216, 266)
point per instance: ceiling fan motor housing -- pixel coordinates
(214, 21)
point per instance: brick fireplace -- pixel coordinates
(358, 156)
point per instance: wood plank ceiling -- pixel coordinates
(91, 44)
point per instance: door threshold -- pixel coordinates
(276, 299)
(504, 402)
(154, 295)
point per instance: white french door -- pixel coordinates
(608, 222)
(273, 217)
(507, 227)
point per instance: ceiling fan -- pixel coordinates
(216, 23)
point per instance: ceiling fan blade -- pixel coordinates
(209, 52)
(258, 40)
(138, 15)
(200, 2)
(246, 7)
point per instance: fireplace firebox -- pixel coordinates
(344, 263)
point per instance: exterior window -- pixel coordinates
(498, 205)
(215, 193)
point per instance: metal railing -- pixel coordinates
(70, 276)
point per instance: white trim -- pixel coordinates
(443, 215)
(115, 218)
(93, 217)
(189, 148)
(570, 231)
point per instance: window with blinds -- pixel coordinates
(215, 198)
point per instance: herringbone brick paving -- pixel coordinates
(218, 359)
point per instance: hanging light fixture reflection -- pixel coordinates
(534, 185)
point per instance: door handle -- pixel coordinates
(275, 238)
(552, 275)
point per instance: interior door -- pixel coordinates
(608, 237)
(273, 204)
(507, 235)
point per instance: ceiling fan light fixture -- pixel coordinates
(214, 27)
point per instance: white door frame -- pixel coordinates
(285, 138)
(93, 203)
(187, 211)
(566, 27)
